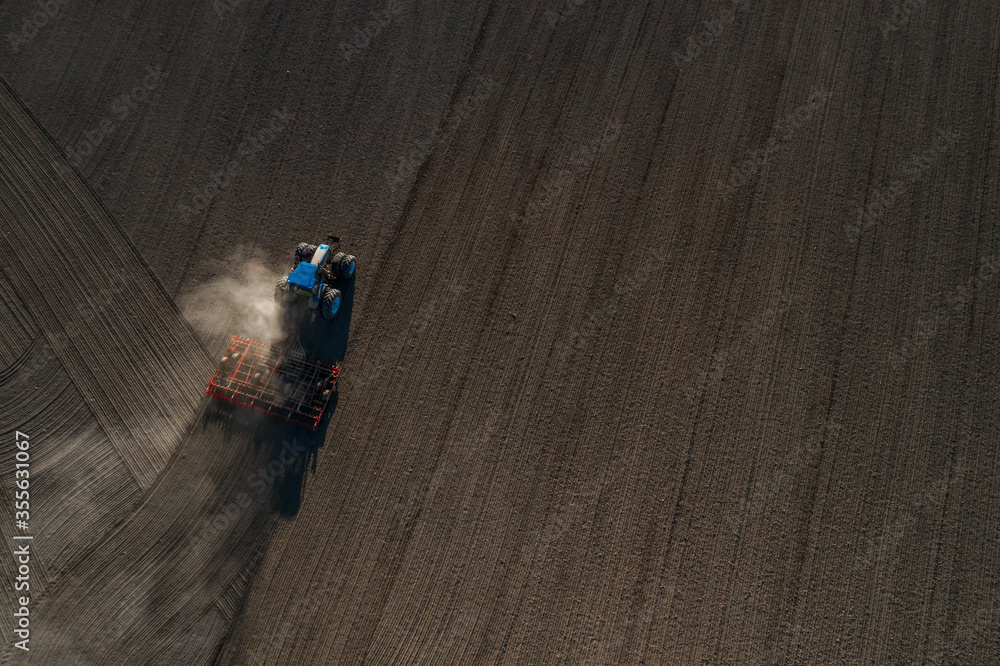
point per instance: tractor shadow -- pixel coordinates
(296, 449)
(326, 342)
(286, 452)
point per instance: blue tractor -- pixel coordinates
(310, 280)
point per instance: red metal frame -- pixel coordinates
(234, 381)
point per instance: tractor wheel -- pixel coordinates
(304, 252)
(346, 266)
(330, 303)
(281, 290)
(342, 265)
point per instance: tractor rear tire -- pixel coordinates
(281, 290)
(345, 267)
(329, 305)
(304, 252)
(342, 265)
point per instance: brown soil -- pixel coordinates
(660, 351)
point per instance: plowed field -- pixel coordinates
(673, 339)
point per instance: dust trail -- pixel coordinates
(240, 303)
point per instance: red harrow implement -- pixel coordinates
(275, 380)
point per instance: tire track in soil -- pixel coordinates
(143, 584)
(80, 486)
(124, 625)
(18, 335)
(457, 588)
(131, 355)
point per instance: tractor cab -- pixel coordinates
(304, 276)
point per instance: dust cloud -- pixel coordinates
(241, 303)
